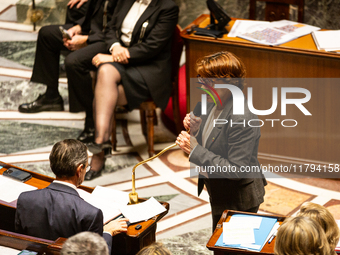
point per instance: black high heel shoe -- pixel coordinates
(94, 174)
(96, 148)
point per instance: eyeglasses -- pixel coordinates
(88, 168)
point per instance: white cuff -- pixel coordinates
(113, 45)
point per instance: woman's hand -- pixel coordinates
(101, 59)
(120, 54)
(79, 3)
(192, 123)
(116, 226)
(186, 142)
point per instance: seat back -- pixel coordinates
(277, 9)
(176, 52)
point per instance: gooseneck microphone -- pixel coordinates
(133, 196)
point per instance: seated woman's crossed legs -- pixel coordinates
(108, 94)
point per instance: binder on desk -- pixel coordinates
(261, 234)
(327, 40)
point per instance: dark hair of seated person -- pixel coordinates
(66, 156)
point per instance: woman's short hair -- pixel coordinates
(222, 64)
(85, 243)
(301, 236)
(154, 249)
(66, 156)
(326, 220)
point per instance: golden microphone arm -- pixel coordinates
(133, 196)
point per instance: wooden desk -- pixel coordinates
(129, 243)
(297, 58)
(267, 248)
(23, 242)
(316, 139)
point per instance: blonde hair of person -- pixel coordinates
(154, 249)
(326, 220)
(301, 236)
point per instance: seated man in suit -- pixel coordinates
(58, 210)
(87, 40)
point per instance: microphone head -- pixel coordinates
(198, 110)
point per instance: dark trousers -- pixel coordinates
(78, 65)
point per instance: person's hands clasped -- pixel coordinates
(79, 3)
(101, 58)
(77, 42)
(116, 226)
(75, 30)
(120, 54)
(186, 142)
(192, 123)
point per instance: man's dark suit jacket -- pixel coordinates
(57, 211)
(50, 45)
(92, 22)
(231, 146)
(151, 56)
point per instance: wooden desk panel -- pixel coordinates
(317, 138)
(23, 242)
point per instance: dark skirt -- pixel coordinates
(135, 88)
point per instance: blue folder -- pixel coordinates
(260, 234)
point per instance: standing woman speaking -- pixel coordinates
(225, 146)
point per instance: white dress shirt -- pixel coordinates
(129, 23)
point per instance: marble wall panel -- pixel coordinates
(54, 11)
(321, 13)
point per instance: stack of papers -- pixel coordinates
(248, 232)
(270, 33)
(108, 200)
(114, 202)
(327, 40)
(11, 189)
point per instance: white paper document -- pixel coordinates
(246, 222)
(234, 234)
(111, 195)
(327, 40)
(270, 33)
(108, 200)
(273, 231)
(142, 211)
(11, 189)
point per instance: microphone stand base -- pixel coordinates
(133, 196)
